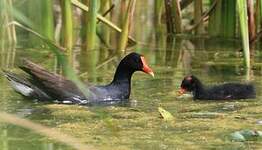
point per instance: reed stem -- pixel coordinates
(251, 19)
(102, 19)
(67, 28)
(91, 25)
(48, 19)
(215, 22)
(242, 11)
(105, 32)
(125, 27)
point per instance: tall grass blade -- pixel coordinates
(242, 12)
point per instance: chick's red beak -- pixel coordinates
(146, 68)
(181, 91)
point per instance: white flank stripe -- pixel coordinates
(21, 88)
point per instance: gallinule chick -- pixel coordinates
(225, 91)
(46, 86)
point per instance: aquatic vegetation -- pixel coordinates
(202, 37)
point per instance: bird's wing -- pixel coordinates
(55, 85)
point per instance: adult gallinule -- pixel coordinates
(225, 91)
(47, 86)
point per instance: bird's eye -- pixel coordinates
(137, 60)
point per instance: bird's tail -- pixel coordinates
(20, 84)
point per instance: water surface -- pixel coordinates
(139, 125)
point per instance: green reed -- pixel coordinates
(215, 20)
(222, 20)
(91, 25)
(67, 27)
(260, 12)
(102, 19)
(105, 32)
(228, 18)
(242, 11)
(48, 19)
(125, 26)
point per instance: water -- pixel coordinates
(197, 125)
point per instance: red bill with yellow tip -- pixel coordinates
(146, 68)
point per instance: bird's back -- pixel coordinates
(231, 91)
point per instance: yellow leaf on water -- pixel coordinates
(167, 116)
